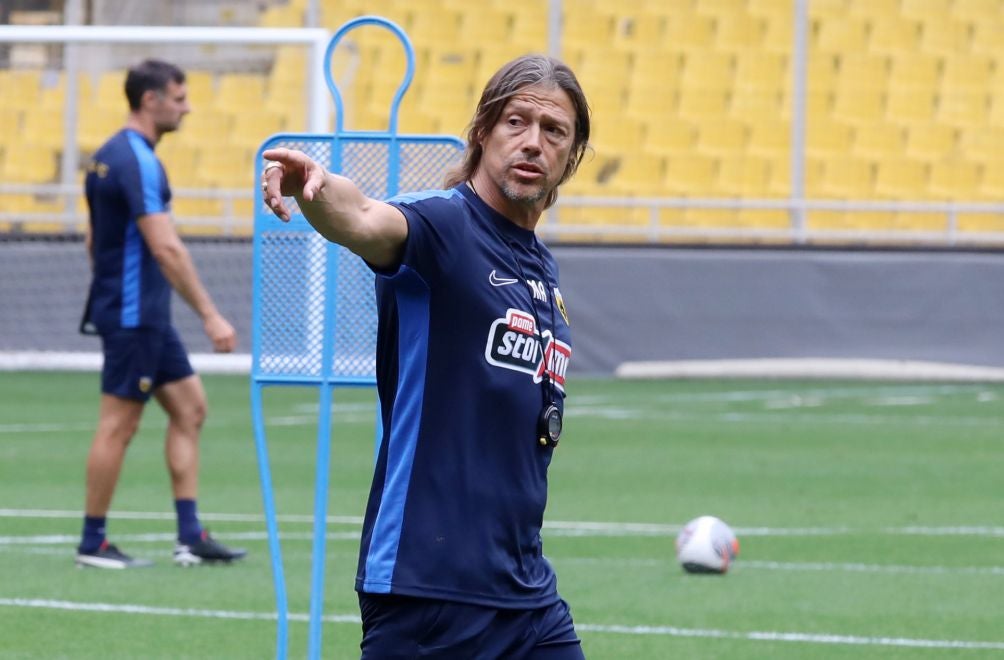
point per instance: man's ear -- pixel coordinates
(149, 97)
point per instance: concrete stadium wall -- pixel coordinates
(627, 304)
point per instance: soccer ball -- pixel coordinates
(706, 545)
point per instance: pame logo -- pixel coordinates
(515, 343)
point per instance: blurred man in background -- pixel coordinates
(137, 258)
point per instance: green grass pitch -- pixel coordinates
(870, 516)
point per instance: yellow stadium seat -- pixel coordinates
(823, 10)
(874, 10)
(983, 143)
(44, 126)
(439, 25)
(180, 162)
(707, 71)
(529, 30)
(827, 138)
(755, 106)
(196, 207)
(976, 10)
(769, 138)
(238, 91)
(761, 71)
(669, 137)
(593, 173)
(910, 107)
(991, 223)
(256, 124)
(26, 162)
(743, 176)
(902, 179)
(763, 219)
(281, 16)
(893, 35)
(618, 134)
(94, 127)
(821, 72)
(199, 88)
(739, 31)
(779, 30)
(780, 177)
(689, 32)
(996, 112)
(652, 105)
(840, 34)
(227, 166)
(915, 71)
(861, 72)
(10, 122)
(945, 36)
(110, 91)
(654, 71)
(691, 177)
(847, 177)
(930, 142)
(584, 28)
(963, 109)
(859, 107)
(639, 174)
(967, 74)
(639, 32)
(878, 140)
(21, 88)
(722, 137)
(701, 104)
(855, 221)
(986, 39)
(926, 10)
(992, 181)
(485, 25)
(954, 180)
(205, 127)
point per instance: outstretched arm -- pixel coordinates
(335, 207)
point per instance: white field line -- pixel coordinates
(671, 631)
(742, 565)
(552, 528)
(74, 539)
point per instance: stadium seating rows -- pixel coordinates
(691, 98)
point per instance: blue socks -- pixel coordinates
(189, 529)
(93, 536)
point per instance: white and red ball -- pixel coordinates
(706, 545)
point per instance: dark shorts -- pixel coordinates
(405, 627)
(139, 360)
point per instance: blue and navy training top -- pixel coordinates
(126, 181)
(467, 324)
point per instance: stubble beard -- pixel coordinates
(520, 195)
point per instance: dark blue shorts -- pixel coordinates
(405, 627)
(139, 360)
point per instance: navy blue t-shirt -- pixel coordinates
(126, 181)
(467, 323)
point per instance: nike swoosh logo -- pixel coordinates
(495, 280)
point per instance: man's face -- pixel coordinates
(168, 106)
(527, 150)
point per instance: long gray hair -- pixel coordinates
(508, 81)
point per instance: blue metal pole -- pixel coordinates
(268, 503)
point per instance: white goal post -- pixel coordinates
(314, 39)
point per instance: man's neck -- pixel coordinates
(145, 128)
(523, 215)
